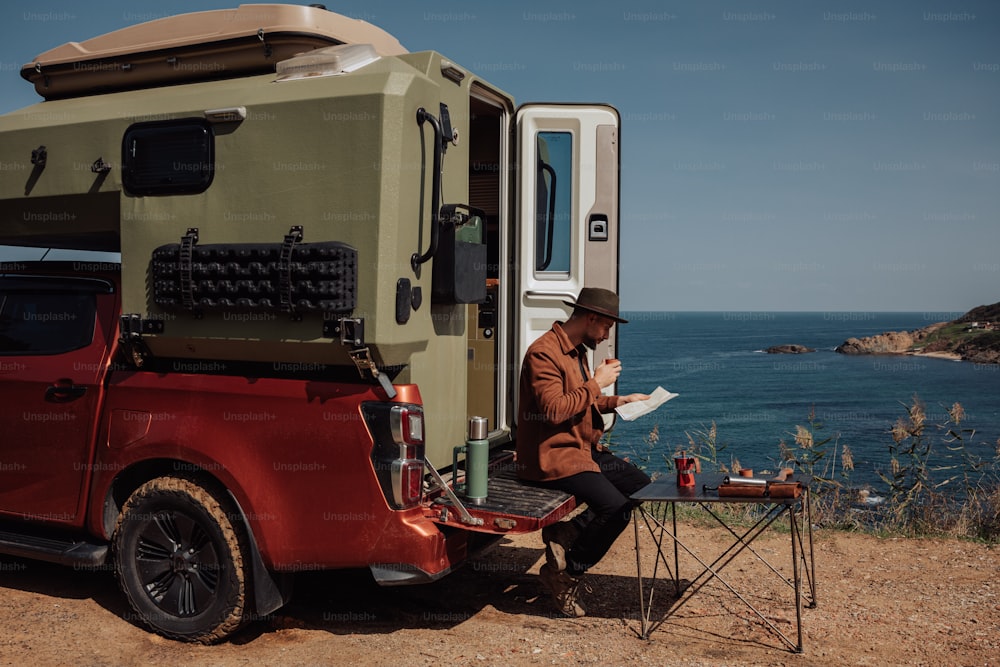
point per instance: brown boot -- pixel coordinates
(564, 589)
(558, 538)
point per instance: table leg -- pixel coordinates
(793, 529)
(812, 559)
(677, 561)
(644, 633)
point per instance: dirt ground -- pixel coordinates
(880, 602)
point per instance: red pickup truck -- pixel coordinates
(208, 484)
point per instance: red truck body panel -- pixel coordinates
(296, 455)
(50, 418)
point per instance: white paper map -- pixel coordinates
(635, 409)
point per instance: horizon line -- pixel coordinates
(803, 312)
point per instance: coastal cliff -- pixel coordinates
(973, 337)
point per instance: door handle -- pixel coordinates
(544, 294)
(64, 393)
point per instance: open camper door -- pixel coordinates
(567, 212)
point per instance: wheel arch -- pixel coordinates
(269, 591)
(136, 474)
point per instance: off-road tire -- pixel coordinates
(181, 562)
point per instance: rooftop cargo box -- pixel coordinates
(190, 47)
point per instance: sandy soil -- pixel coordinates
(880, 602)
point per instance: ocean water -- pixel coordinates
(716, 362)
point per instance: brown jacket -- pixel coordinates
(557, 422)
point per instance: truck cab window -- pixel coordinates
(554, 202)
(39, 324)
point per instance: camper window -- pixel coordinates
(168, 157)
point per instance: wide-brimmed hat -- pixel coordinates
(598, 300)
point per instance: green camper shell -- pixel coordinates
(288, 189)
(263, 173)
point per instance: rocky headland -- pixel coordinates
(890, 342)
(973, 337)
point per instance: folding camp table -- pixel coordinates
(661, 498)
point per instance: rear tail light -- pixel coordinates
(397, 455)
(407, 425)
(407, 481)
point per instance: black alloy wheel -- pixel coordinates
(180, 560)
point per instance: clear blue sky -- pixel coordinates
(813, 155)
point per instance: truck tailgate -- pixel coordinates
(511, 505)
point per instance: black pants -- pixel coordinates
(609, 508)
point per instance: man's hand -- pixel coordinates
(607, 373)
(622, 400)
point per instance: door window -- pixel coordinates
(38, 324)
(553, 202)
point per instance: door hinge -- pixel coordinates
(130, 337)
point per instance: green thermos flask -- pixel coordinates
(477, 460)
